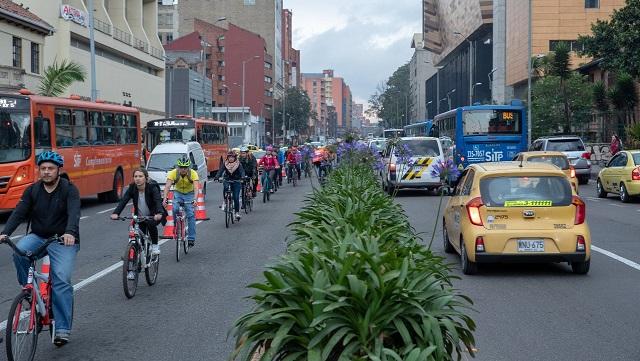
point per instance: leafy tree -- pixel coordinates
(600, 97)
(59, 76)
(392, 99)
(616, 41)
(297, 111)
(623, 97)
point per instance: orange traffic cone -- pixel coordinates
(168, 228)
(46, 267)
(259, 187)
(201, 212)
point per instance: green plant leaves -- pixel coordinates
(355, 284)
(59, 76)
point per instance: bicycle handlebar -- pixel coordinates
(35, 253)
(137, 219)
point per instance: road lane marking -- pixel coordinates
(106, 210)
(93, 278)
(616, 257)
(617, 205)
(84, 217)
(593, 199)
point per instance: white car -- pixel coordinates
(412, 169)
(164, 156)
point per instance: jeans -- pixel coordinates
(63, 260)
(235, 192)
(187, 198)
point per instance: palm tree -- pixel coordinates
(58, 77)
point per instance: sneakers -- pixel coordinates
(61, 338)
(191, 242)
(238, 216)
(155, 249)
(131, 275)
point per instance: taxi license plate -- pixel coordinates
(530, 245)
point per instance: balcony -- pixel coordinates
(140, 45)
(102, 26)
(122, 35)
(156, 53)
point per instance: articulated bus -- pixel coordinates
(483, 133)
(211, 134)
(100, 144)
(422, 129)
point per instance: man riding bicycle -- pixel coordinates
(186, 182)
(232, 173)
(250, 165)
(52, 205)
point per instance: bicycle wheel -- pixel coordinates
(183, 238)
(227, 219)
(178, 238)
(21, 334)
(130, 264)
(153, 263)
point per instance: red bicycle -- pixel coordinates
(31, 310)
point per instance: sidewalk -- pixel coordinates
(595, 169)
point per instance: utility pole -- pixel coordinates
(529, 70)
(92, 49)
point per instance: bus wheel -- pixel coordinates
(118, 187)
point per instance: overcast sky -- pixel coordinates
(364, 41)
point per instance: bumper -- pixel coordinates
(9, 200)
(531, 258)
(633, 187)
(408, 185)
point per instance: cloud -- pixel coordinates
(364, 41)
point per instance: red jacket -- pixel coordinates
(292, 158)
(269, 162)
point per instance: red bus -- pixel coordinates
(100, 143)
(211, 134)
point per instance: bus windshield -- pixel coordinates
(15, 136)
(156, 136)
(479, 122)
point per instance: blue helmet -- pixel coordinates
(50, 156)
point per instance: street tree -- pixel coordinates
(392, 99)
(297, 111)
(59, 76)
(623, 97)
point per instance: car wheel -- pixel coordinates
(448, 247)
(600, 189)
(581, 268)
(468, 267)
(624, 195)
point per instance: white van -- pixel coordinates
(164, 156)
(424, 152)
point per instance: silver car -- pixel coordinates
(573, 148)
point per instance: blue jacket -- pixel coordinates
(281, 157)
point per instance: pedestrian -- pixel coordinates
(616, 145)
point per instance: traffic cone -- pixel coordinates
(259, 186)
(201, 212)
(168, 228)
(46, 267)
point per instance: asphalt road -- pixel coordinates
(544, 312)
(189, 312)
(523, 312)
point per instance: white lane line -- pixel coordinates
(93, 278)
(617, 205)
(106, 210)
(616, 257)
(593, 199)
(84, 217)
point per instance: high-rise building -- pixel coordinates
(263, 17)
(130, 64)
(325, 90)
(358, 119)
(168, 20)
(420, 69)
(291, 56)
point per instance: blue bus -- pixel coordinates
(393, 133)
(483, 133)
(422, 129)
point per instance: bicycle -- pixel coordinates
(307, 169)
(228, 203)
(180, 231)
(35, 296)
(138, 257)
(266, 186)
(247, 196)
(292, 174)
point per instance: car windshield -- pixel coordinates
(422, 147)
(478, 122)
(163, 161)
(636, 158)
(525, 191)
(15, 136)
(156, 136)
(565, 145)
(559, 161)
(378, 144)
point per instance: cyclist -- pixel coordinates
(292, 163)
(232, 171)
(250, 166)
(147, 202)
(185, 180)
(281, 161)
(52, 205)
(269, 164)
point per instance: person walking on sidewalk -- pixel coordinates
(616, 145)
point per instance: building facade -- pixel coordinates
(357, 117)
(24, 33)
(328, 94)
(129, 54)
(420, 69)
(291, 56)
(168, 20)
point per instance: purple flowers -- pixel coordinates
(404, 155)
(445, 170)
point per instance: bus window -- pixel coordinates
(132, 129)
(80, 127)
(491, 121)
(108, 130)
(64, 133)
(95, 129)
(42, 133)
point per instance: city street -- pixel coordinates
(523, 312)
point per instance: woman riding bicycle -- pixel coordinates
(233, 173)
(269, 164)
(147, 202)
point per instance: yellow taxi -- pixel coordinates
(558, 159)
(621, 176)
(516, 212)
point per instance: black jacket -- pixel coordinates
(237, 175)
(151, 196)
(52, 213)
(250, 166)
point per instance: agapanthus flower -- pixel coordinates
(445, 170)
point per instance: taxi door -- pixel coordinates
(614, 172)
(457, 212)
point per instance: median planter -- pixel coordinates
(355, 284)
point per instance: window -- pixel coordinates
(132, 129)
(169, 38)
(591, 4)
(574, 45)
(267, 79)
(221, 63)
(498, 191)
(64, 132)
(477, 122)
(468, 183)
(108, 130)
(221, 49)
(35, 58)
(95, 131)
(17, 52)
(80, 127)
(221, 77)
(42, 134)
(619, 160)
(267, 65)
(565, 145)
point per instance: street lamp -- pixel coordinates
(428, 103)
(474, 89)
(449, 96)
(244, 63)
(490, 76)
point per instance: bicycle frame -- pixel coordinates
(180, 217)
(140, 239)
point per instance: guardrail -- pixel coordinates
(102, 26)
(122, 35)
(156, 53)
(140, 45)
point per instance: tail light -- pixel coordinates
(635, 174)
(586, 155)
(581, 210)
(473, 211)
(392, 168)
(573, 172)
(582, 245)
(479, 244)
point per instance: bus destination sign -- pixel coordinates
(172, 123)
